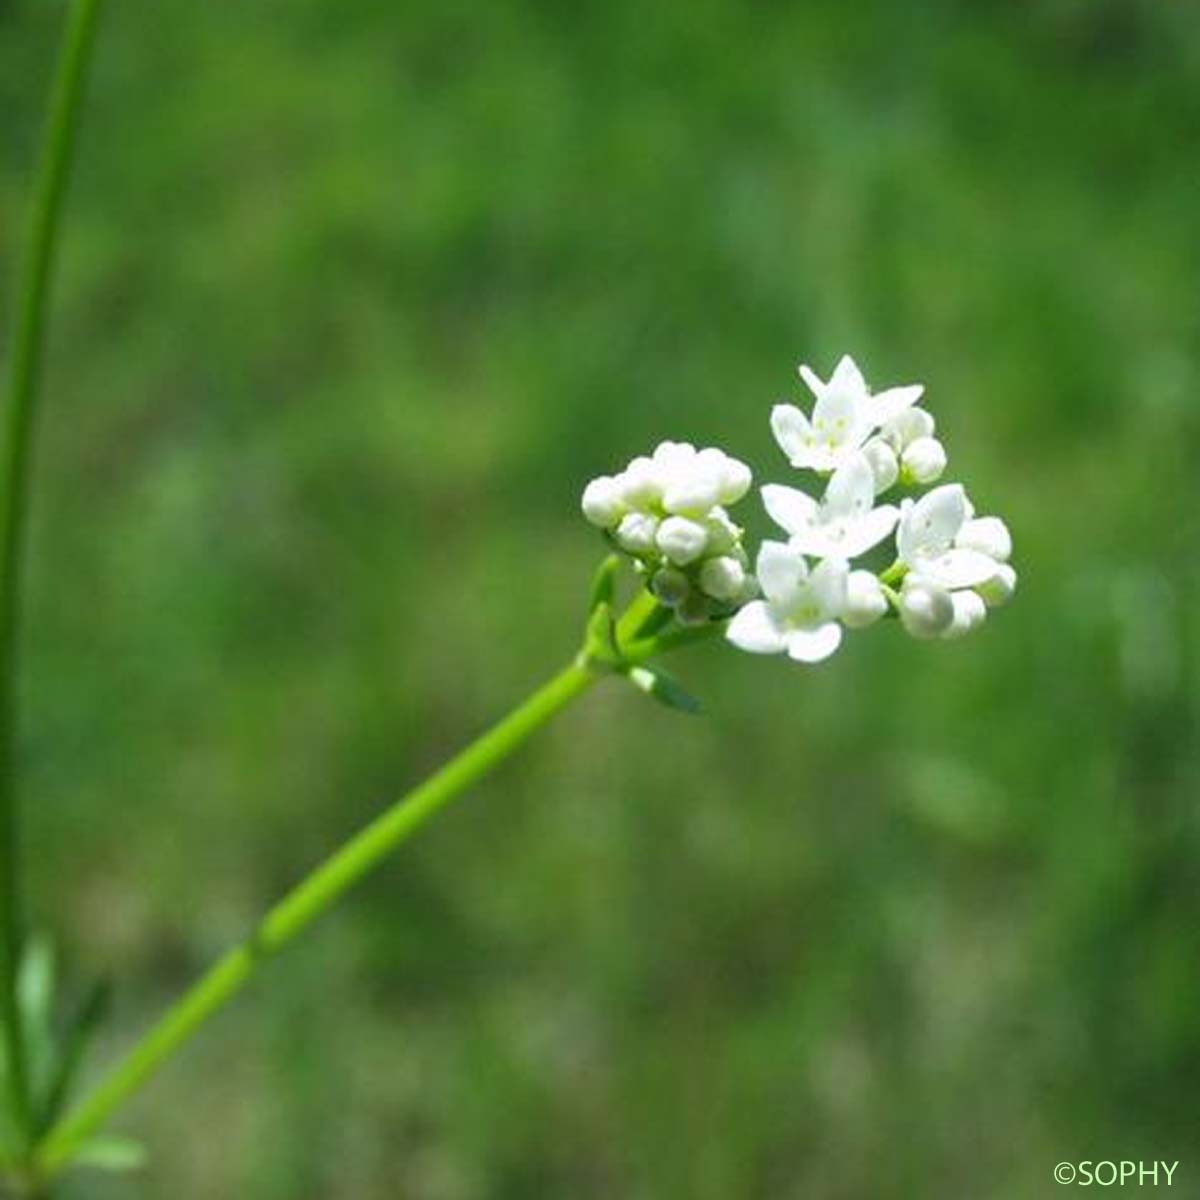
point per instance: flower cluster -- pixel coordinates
(668, 512)
(950, 565)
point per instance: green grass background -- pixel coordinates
(351, 301)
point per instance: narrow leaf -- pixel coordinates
(36, 985)
(604, 583)
(89, 1017)
(654, 681)
(601, 643)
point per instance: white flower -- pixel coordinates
(799, 613)
(923, 460)
(945, 545)
(865, 601)
(926, 607)
(843, 417)
(844, 524)
(925, 539)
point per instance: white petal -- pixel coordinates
(754, 629)
(792, 431)
(867, 532)
(888, 404)
(828, 585)
(812, 381)
(847, 377)
(818, 541)
(780, 570)
(932, 523)
(838, 418)
(813, 645)
(851, 491)
(789, 508)
(957, 568)
(987, 534)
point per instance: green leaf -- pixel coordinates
(654, 681)
(600, 644)
(604, 583)
(110, 1153)
(659, 619)
(36, 983)
(82, 1028)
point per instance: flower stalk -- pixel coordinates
(18, 425)
(322, 887)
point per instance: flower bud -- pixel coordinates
(674, 456)
(884, 465)
(682, 541)
(999, 588)
(969, 613)
(690, 492)
(723, 578)
(924, 460)
(733, 477)
(636, 533)
(694, 610)
(926, 609)
(671, 586)
(601, 502)
(639, 483)
(987, 534)
(865, 601)
(907, 427)
(723, 534)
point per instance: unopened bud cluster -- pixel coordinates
(668, 512)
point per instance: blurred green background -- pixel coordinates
(352, 300)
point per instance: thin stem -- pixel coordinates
(303, 904)
(14, 478)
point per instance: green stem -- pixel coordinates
(303, 904)
(14, 477)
